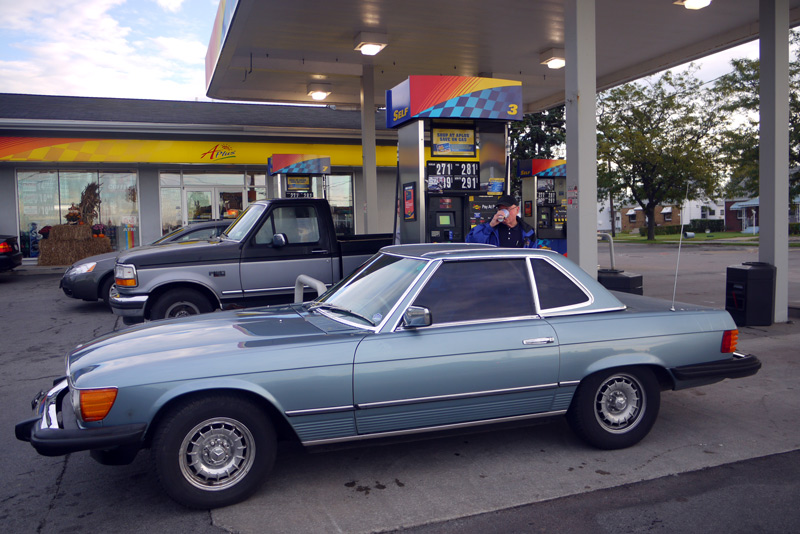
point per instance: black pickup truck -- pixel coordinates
(255, 261)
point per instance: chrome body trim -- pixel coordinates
(318, 411)
(49, 405)
(433, 428)
(456, 396)
(539, 341)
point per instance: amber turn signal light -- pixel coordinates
(729, 340)
(96, 403)
(125, 282)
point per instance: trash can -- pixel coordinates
(617, 280)
(750, 293)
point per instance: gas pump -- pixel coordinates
(452, 152)
(544, 193)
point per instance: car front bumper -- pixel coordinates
(737, 366)
(55, 431)
(79, 286)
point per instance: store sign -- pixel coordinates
(452, 142)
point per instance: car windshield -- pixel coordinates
(367, 295)
(166, 237)
(244, 222)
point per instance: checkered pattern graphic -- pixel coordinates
(312, 166)
(486, 104)
(558, 170)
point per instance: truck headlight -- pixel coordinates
(125, 275)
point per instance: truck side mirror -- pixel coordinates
(279, 240)
(416, 316)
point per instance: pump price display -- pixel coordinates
(453, 176)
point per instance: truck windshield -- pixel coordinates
(372, 290)
(244, 222)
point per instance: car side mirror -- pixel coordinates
(416, 316)
(279, 240)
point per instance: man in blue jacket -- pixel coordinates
(506, 229)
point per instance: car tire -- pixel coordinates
(181, 302)
(616, 408)
(105, 288)
(214, 451)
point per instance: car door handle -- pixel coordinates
(538, 341)
(320, 251)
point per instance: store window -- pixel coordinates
(45, 198)
(339, 192)
(38, 208)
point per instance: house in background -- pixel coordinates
(743, 215)
(629, 217)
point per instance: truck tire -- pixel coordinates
(181, 302)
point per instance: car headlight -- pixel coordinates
(125, 275)
(83, 268)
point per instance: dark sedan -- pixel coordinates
(91, 278)
(10, 255)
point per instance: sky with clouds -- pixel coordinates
(152, 49)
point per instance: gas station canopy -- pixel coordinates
(279, 51)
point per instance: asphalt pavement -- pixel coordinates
(722, 458)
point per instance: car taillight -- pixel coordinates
(729, 340)
(96, 403)
(5, 248)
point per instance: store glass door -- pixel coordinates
(211, 203)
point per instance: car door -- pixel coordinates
(268, 269)
(485, 356)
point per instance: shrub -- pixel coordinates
(699, 225)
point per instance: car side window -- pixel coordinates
(298, 223)
(554, 288)
(478, 290)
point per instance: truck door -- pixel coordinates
(269, 269)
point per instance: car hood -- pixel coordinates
(211, 345)
(107, 257)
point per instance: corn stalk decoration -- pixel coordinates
(90, 201)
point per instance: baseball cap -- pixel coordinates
(506, 200)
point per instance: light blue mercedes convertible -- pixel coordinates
(419, 338)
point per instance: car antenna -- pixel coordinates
(680, 242)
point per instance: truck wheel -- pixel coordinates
(616, 408)
(180, 303)
(215, 451)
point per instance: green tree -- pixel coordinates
(739, 93)
(538, 135)
(655, 142)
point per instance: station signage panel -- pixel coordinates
(453, 97)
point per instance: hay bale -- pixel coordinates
(70, 232)
(68, 251)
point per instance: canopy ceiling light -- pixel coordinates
(693, 4)
(553, 58)
(369, 43)
(319, 91)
